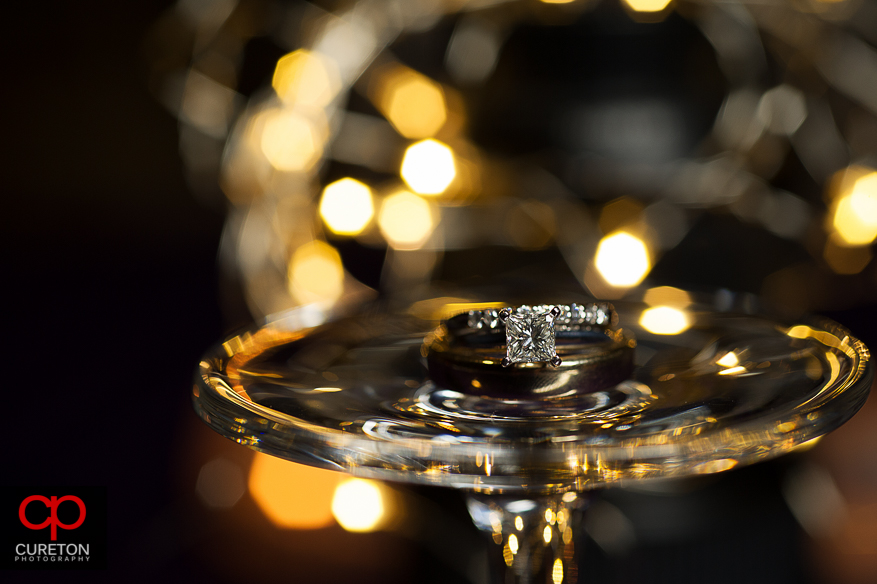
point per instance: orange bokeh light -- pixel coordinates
(292, 495)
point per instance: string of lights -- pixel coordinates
(386, 124)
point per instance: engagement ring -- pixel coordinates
(531, 331)
(548, 350)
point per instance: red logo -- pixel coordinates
(52, 505)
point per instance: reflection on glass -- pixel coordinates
(513, 543)
(667, 296)
(664, 320)
(557, 570)
(673, 416)
(399, 423)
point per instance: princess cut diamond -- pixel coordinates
(530, 336)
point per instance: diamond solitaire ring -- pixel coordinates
(530, 336)
(531, 332)
(546, 350)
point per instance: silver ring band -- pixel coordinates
(572, 317)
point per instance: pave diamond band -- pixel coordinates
(572, 317)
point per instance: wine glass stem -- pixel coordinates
(532, 539)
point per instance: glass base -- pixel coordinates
(531, 539)
(356, 395)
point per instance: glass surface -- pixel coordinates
(355, 395)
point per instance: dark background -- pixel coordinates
(109, 264)
(109, 267)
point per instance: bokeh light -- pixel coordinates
(413, 103)
(748, 96)
(290, 141)
(513, 543)
(428, 167)
(644, 180)
(207, 105)
(647, 5)
(316, 274)
(347, 206)
(664, 320)
(619, 213)
(293, 495)
(220, 483)
(864, 197)
(531, 224)
(855, 211)
(667, 295)
(306, 78)
(845, 259)
(358, 505)
(406, 220)
(473, 51)
(557, 571)
(622, 259)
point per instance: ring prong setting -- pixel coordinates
(531, 331)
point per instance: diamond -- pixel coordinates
(530, 336)
(490, 320)
(589, 317)
(601, 317)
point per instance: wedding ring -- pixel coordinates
(549, 350)
(532, 332)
